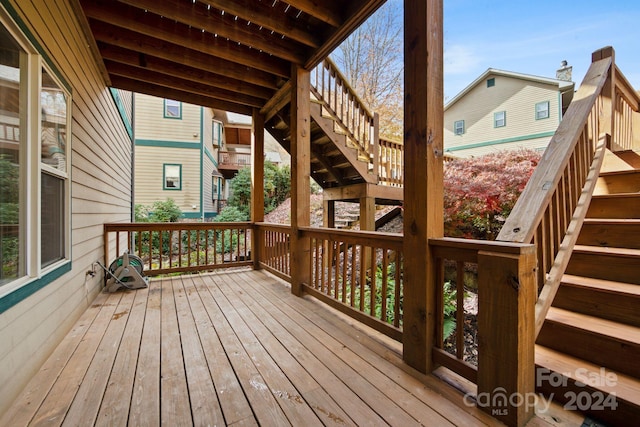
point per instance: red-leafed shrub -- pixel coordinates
(479, 193)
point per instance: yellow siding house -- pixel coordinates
(176, 155)
(503, 110)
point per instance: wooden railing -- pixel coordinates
(391, 163)
(504, 276)
(341, 101)
(626, 127)
(552, 208)
(234, 160)
(275, 249)
(360, 274)
(180, 247)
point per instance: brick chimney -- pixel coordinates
(564, 72)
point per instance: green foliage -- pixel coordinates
(231, 214)
(165, 211)
(241, 190)
(449, 307)
(160, 211)
(141, 213)
(479, 193)
(9, 181)
(277, 188)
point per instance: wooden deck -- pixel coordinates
(229, 348)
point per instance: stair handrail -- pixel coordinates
(330, 86)
(551, 209)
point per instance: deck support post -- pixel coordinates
(257, 183)
(300, 177)
(329, 213)
(507, 295)
(423, 189)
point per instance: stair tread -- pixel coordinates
(607, 250)
(620, 172)
(626, 387)
(597, 325)
(607, 221)
(615, 195)
(601, 284)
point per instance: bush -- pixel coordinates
(479, 193)
(231, 214)
(165, 211)
(277, 188)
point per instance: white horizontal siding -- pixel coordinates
(100, 189)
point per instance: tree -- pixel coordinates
(479, 193)
(372, 61)
(277, 188)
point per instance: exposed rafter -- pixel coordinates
(222, 53)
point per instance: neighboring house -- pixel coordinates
(176, 155)
(503, 110)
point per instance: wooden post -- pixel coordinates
(300, 175)
(423, 189)
(257, 184)
(367, 214)
(608, 116)
(375, 145)
(506, 335)
(329, 213)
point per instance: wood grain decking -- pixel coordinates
(228, 348)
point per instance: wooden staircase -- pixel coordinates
(588, 350)
(335, 160)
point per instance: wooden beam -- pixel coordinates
(423, 190)
(198, 75)
(326, 11)
(152, 77)
(506, 334)
(277, 102)
(113, 37)
(167, 30)
(257, 183)
(227, 26)
(356, 191)
(267, 16)
(300, 175)
(171, 93)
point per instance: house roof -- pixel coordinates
(231, 55)
(561, 84)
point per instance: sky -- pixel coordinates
(533, 37)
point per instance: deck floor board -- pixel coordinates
(229, 348)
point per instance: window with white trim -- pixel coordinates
(500, 119)
(458, 127)
(542, 110)
(172, 109)
(34, 168)
(172, 176)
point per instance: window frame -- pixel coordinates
(548, 110)
(491, 82)
(166, 106)
(455, 127)
(496, 123)
(164, 177)
(33, 63)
